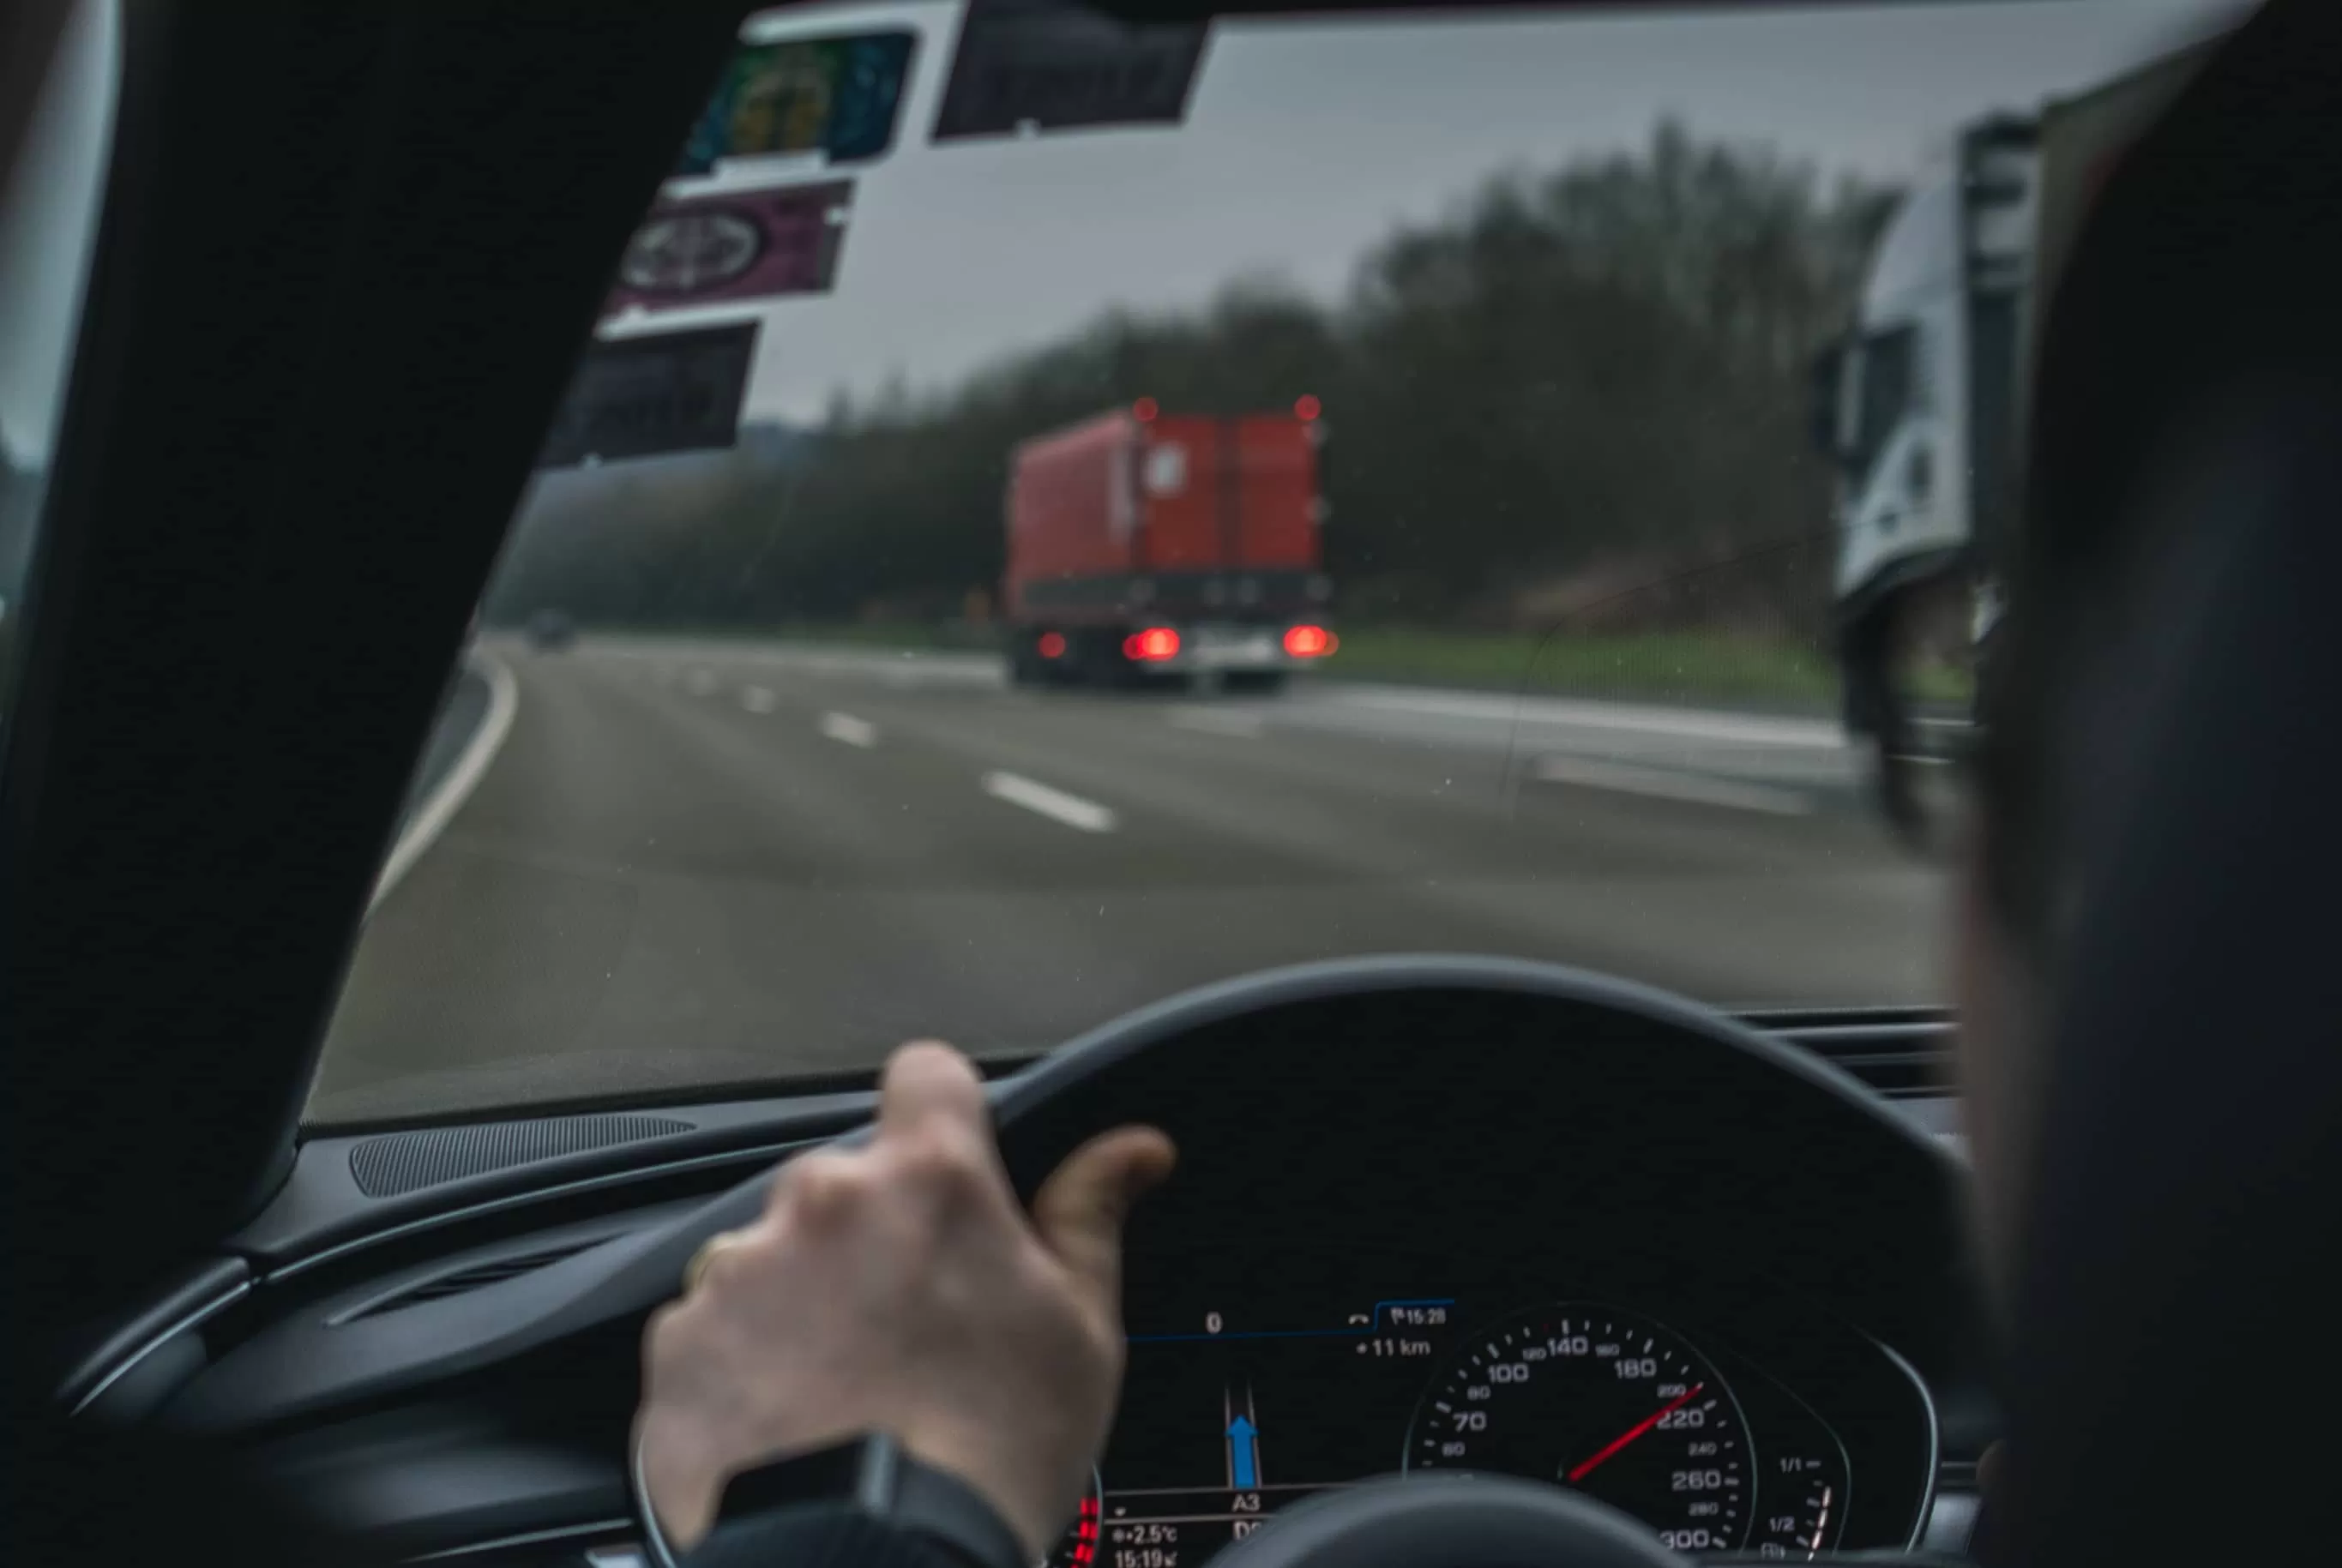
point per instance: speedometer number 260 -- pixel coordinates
(1619, 1406)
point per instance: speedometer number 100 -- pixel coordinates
(1601, 1399)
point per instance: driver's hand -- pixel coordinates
(899, 1288)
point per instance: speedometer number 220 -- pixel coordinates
(1605, 1401)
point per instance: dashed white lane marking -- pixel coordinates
(1244, 727)
(758, 699)
(699, 683)
(1591, 774)
(1055, 804)
(845, 727)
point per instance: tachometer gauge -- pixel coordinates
(1612, 1403)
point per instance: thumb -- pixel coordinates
(1080, 1208)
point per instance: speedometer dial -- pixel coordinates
(1616, 1405)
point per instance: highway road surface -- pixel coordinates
(703, 863)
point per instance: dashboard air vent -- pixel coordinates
(476, 1276)
(1902, 1052)
(399, 1163)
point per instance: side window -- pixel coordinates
(48, 220)
(1887, 371)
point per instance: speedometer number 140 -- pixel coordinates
(1604, 1401)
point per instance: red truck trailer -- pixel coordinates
(1144, 545)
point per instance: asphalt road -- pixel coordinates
(705, 862)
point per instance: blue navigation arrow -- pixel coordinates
(1244, 1453)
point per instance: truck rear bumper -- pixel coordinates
(1213, 649)
(1253, 652)
(1208, 649)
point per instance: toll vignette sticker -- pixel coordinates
(730, 246)
(645, 396)
(1054, 65)
(838, 96)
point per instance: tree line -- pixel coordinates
(1576, 379)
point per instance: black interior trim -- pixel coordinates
(1903, 1052)
(321, 1219)
(450, 1481)
(321, 1208)
(1926, 1511)
(248, 591)
(321, 1212)
(591, 1532)
(409, 1288)
(399, 1163)
(413, 1415)
(188, 1298)
(1908, 1059)
(612, 1181)
(283, 1376)
(1269, 10)
(1094, 1053)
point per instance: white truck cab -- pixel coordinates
(1924, 428)
(1922, 408)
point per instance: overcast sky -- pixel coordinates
(1304, 144)
(1307, 143)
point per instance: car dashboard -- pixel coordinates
(1718, 1288)
(1726, 1416)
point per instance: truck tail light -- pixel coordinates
(1310, 641)
(1052, 644)
(1155, 643)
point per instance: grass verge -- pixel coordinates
(1679, 667)
(1668, 667)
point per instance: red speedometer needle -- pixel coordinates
(1584, 1467)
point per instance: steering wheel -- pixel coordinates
(1451, 1522)
(1531, 1032)
(1309, 1082)
(1135, 1068)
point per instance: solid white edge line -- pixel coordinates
(424, 827)
(851, 730)
(1054, 804)
(1568, 713)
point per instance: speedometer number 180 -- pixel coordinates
(1609, 1402)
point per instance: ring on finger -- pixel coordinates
(694, 1271)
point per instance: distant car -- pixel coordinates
(550, 629)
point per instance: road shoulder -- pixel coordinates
(450, 772)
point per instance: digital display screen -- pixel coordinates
(1229, 1417)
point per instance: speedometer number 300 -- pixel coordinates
(1613, 1405)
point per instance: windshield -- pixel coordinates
(1884, 367)
(1032, 535)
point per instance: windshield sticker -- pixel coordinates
(1027, 65)
(639, 396)
(751, 244)
(834, 97)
